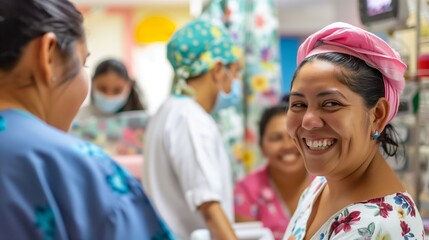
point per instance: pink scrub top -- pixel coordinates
(256, 197)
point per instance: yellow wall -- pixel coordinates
(110, 34)
(179, 14)
(104, 37)
(106, 32)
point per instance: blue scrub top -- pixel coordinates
(55, 186)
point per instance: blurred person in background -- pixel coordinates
(54, 186)
(186, 167)
(113, 92)
(270, 194)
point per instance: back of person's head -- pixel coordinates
(24, 20)
(117, 102)
(268, 114)
(368, 66)
(196, 48)
(285, 99)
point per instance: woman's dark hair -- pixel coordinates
(270, 113)
(115, 66)
(365, 81)
(21, 21)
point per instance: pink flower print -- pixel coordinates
(406, 231)
(254, 210)
(405, 228)
(267, 194)
(384, 208)
(412, 206)
(250, 136)
(345, 222)
(278, 235)
(239, 199)
(270, 95)
(271, 208)
(129, 135)
(318, 187)
(260, 21)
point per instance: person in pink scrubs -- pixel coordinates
(270, 194)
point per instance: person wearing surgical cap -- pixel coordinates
(344, 94)
(187, 171)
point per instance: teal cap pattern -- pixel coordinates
(196, 47)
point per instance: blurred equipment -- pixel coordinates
(384, 15)
(122, 134)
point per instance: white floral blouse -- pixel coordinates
(390, 217)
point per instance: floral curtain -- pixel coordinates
(262, 72)
(253, 25)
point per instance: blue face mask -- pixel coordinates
(107, 104)
(226, 100)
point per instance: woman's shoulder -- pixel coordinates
(60, 162)
(397, 206)
(52, 160)
(389, 216)
(28, 131)
(31, 141)
(187, 113)
(314, 188)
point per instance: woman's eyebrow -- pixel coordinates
(322, 94)
(296, 94)
(331, 92)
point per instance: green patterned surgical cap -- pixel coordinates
(196, 47)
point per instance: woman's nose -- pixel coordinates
(311, 120)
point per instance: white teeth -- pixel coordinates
(319, 144)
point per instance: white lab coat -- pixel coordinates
(185, 165)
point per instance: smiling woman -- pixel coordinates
(270, 194)
(343, 96)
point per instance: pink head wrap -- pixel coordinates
(345, 38)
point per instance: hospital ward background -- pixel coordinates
(136, 33)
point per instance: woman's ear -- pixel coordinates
(380, 114)
(218, 72)
(47, 57)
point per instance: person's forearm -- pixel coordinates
(217, 222)
(239, 218)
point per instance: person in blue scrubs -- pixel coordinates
(52, 185)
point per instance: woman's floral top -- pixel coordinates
(390, 217)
